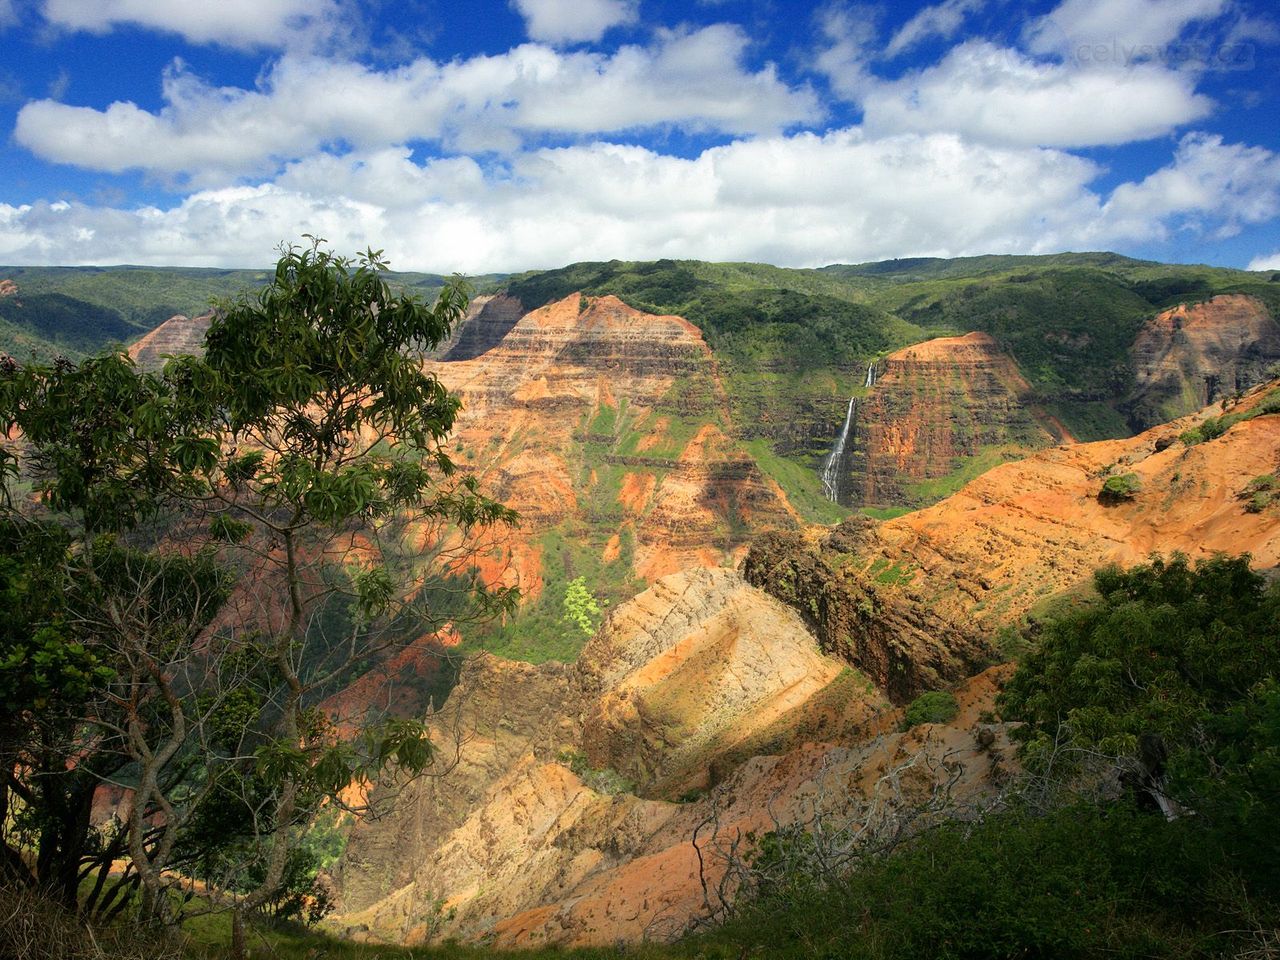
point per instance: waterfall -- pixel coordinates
(830, 472)
(871, 375)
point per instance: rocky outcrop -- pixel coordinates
(935, 406)
(1196, 354)
(500, 714)
(694, 673)
(8, 288)
(525, 840)
(591, 414)
(902, 645)
(1025, 531)
(176, 336)
(489, 319)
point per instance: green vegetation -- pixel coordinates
(77, 311)
(581, 608)
(1167, 686)
(1121, 487)
(1214, 427)
(1261, 492)
(600, 779)
(935, 706)
(801, 485)
(127, 660)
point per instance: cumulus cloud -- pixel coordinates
(996, 94)
(1210, 186)
(1269, 261)
(574, 21)
(689, 79)
(800, 200)
(235, 23)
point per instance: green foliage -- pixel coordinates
(308, 431)
(105, 442)
(581, 607)
(1121, 487)
(600, 779)
(1177, 669)
(1078, 882)
(934, 706)
(1214, 427)
(1261, 492)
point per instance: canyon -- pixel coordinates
(596, 802)
(760, 644)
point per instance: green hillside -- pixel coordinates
(792, 345)
(77, 310)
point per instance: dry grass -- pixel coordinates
(35, 928)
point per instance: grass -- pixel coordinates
(970, 468)
(209, 937)
(801, 484)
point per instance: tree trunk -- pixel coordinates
(239, 949)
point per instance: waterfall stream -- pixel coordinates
(831, 465)
(830, 470)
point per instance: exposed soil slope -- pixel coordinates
(1024, 531)
(1196, 354)
(525, 842)
(177, 335)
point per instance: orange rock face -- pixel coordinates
(8, 288)
(1196, 354)
(520, 846)
(177, 335)
(588, 413)
(1026, 530)
(934, 404)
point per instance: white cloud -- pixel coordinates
(795, 200)
(1129, 29)
(998, 95)
(1269, 261)
(850, 35)
(236, 23)
(1210, 186)
(941, 20)
(573, 21)
(692, 80)
(8, 15)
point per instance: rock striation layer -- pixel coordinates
(177, 335)
(1027, 530)
(1196, 354)
(934, 406)
(591, 414)
(528, 840)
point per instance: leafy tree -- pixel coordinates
(581, 608)
(1175, 670)
(304, 450)
(88, 614)
(934, 706)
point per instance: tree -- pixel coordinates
(89, 442)
(581, 608)
(1175, 670)
(334, 478)
(303, 452)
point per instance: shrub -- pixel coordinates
(1124, 486)
(1261, 492)
(936, 706)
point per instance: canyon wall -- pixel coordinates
(934, 407)
(1196, 354)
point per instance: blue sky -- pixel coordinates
(500, 136)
